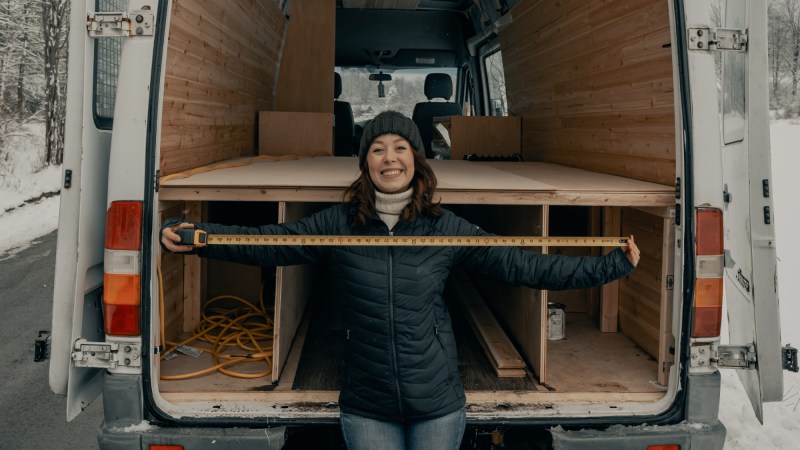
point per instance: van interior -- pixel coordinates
(539, 118)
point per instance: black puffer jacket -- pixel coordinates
(400, 360)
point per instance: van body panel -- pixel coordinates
(618, 437)
(79, 256)
(95, 153)
(761, 303)
(732, 160)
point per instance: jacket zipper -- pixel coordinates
(391, 331)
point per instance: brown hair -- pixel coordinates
(361, 194)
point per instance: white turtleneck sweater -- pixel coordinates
(389, 206)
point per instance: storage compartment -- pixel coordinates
(595, 126)
(306, 346)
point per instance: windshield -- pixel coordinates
(406, 89)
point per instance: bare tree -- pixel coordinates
(32, 71)
(21, 80)
(792, 19)
(778, 44)
(54, 25)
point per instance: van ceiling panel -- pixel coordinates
(455, 5)
(399, 38)
(383, 4)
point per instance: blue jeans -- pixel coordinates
(443, 433)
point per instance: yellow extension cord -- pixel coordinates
(244, 328)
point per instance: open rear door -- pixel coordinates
(737, 36)
(77, 303)
(751, 271)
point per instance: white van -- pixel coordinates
(548, 119)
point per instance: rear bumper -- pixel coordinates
(140, 437)
(687, 435)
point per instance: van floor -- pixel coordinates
(320, 366)
(587, 360)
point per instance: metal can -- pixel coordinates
(556, 321)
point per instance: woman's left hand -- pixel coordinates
(632, 252)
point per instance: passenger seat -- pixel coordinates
(343, 121)
(437, 85)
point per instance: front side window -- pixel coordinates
(496, 84)
(106, 67)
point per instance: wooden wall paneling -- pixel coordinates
(230, 278)
(292, 290)
(609, 309)
(221, 69)
(485, 135)
(295, 133)
(599, 97)
(568, 221)
(643, 294)
(305, 78)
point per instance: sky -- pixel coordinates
(22, 223)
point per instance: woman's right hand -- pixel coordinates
(170, 239)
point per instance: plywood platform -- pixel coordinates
(323, 179)
(588, 360)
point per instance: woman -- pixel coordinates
(401, 387)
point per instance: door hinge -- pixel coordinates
(108, 355)
(120, 24)
(789, 354)
(717, 39)
(724, 356)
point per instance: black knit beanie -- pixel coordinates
(389, 122)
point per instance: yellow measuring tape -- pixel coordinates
(200, 238)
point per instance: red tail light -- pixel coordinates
(707, 317)
(122, 266)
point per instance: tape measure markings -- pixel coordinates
(411, 241)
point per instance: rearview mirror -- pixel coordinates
(380, 77)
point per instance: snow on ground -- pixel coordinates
(28, 192)
(20, 181)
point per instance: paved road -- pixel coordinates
(32, 417)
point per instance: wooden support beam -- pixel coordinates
(192, 276)
(504, 358)
(609, 311)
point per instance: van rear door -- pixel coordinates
(738, 95)
(77, 303)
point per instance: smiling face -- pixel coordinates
(390, 160)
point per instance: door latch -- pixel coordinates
(107, 355)
(717, 39)
(120, 24)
